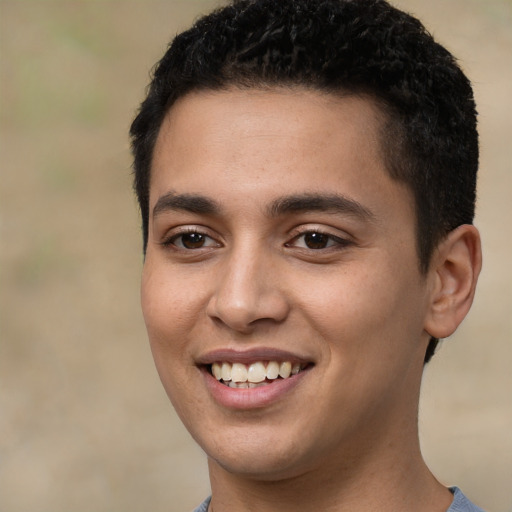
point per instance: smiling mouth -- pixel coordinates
(259, 373)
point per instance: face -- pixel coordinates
(281, 289)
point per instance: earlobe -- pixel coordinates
(454, 269)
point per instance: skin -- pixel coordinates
(239, 168)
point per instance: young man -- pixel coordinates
(306, 175)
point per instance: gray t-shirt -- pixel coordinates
(460, 503)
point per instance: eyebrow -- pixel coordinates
(330, 203)
(192, 203)
(309, 202)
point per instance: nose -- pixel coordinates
(249, 293)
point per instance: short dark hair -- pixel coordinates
(349, 47)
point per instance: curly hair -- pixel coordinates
(359, 47)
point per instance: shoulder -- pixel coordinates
(461, 503)
(204, 506)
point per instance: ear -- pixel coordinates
(454, 270)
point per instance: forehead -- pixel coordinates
(259, 143)
(303, 113)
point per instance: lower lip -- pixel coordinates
(251, 398)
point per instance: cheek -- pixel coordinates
(169, 307)
(374, 307)
(169, 314)
(169, 296)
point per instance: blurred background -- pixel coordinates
(84, 422)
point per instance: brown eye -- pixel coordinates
(315, 240)
(189, 240)
(192, 240)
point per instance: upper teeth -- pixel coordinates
(255, 372)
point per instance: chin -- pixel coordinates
(257, 453)
(263, 466)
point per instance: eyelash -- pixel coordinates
(332, 242)
(172, 239)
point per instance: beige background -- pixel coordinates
(84, 423)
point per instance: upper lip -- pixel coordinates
(250, 355)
